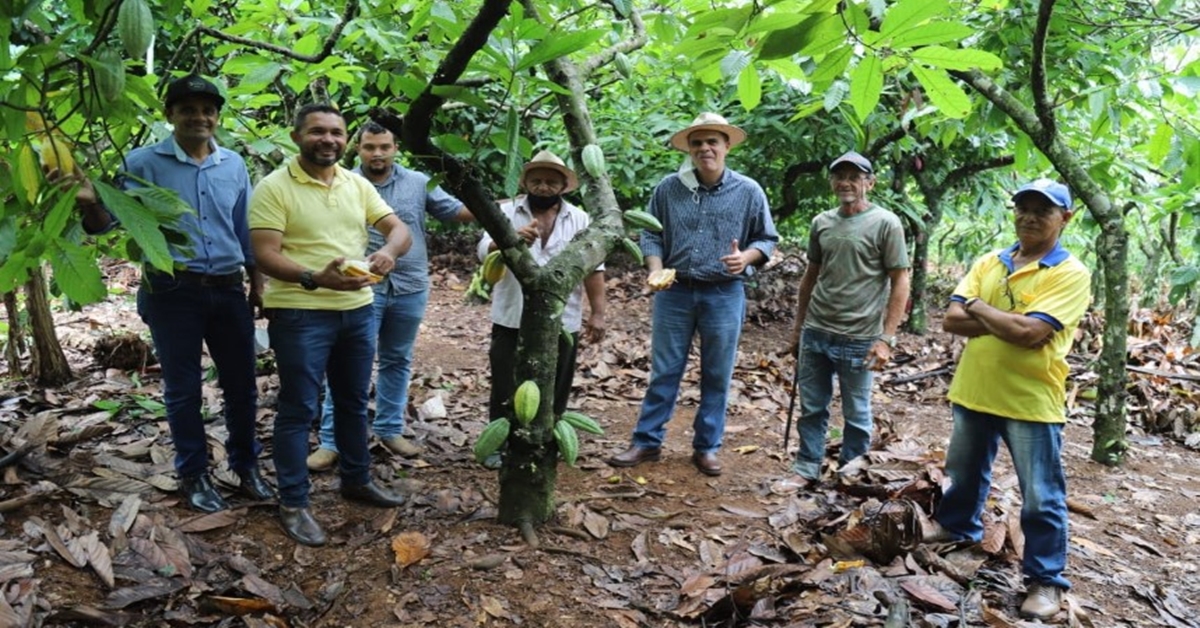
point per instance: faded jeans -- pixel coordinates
(1036, 450)
(823, 355)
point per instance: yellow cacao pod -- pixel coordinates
(135, 27)
(526, 401)
(568, 441)
(662, 278)
(491, 438)
(493, 268)
(582, 422)
(642, 220)
(56, 154)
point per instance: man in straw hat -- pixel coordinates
(852, 299)
(547, 222)
(716, 228)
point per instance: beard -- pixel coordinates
(373, 170)
(314, 155)
(539, 203)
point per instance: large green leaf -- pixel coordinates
(140, 222)
(558, 44)
(928, 34)
(76, 272)
(909, 14)
(943, 92)
(957, 58)
(1160, 143)
(749, 87)
(866, 84)
(832, 66)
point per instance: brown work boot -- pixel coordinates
(634, 456)
(402, 446)
(1043, 601)
(707, 463)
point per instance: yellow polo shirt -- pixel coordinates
(319, 223)
(1007, 380)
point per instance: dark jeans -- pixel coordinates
(311, 346)
(503, 359)
(183, 315)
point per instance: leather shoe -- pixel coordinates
(201, 495)
(707, 463)
(299, 524)
(371, 494)
(1043, 602)
(634, 456)
(255, 486)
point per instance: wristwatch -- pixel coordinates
(306, 280)
(888, 340)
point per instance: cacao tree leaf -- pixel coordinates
(909, 14)
(140, 222)
(1160, 143)
(957, 58)
(558, 45)
(934, 33)
(749, 88)
(943, 92)
(832, 66)
(76, 272)
(866, 84)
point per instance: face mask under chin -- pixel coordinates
(542, 202)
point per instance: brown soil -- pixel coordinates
(659, 545)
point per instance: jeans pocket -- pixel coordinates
(160, 283)
(284, 316)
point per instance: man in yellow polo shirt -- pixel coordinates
(306, 220)
(1018, 308)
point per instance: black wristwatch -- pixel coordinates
(306, 280)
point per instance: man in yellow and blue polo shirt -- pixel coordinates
(1018, 308)
(306, 219)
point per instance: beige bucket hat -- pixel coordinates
(547, 159)
(708, 121)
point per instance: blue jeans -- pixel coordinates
(181, 315)
(715, 312)
(397, 319)
(1036, 450)
(312, 345)
(823, 355)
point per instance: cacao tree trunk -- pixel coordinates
(16, 339)
(49, 364)
(1108, 431)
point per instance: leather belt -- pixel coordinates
(209, 281)
(697, 283)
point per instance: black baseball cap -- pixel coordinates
(192, 85)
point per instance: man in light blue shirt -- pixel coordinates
(204, 302)
(401, 297)
(717, 228)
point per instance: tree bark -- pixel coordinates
(16, 339)
(49, 364)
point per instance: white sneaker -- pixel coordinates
(322, 459)
(1043, 601)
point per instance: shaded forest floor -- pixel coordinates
(93, 534)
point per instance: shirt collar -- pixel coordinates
(397, 172)
(1056, 256)
(170, 147)
(301, 176)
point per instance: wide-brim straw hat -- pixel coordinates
(547, 159)
(708, 121)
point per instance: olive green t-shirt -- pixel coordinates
(855, 253)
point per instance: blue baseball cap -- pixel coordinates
(854, 159)
(1054, 192)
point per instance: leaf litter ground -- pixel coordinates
(94, 535)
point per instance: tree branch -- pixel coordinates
(1041, 100)
(962, 173)
(326, 49)
(636, 40)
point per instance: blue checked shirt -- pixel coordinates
(699, 225)
(407, 193)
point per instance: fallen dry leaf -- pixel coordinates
(410, 547)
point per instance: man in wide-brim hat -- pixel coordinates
(717, 228)
(547, 222)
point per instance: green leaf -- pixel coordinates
(866, 84)
(76, 272)
(826, 35)
(512, 152)
(749, 88)
(909, 14)
(783, 43)
(832, 66)
(957, 58)
(773, 22)
(620, 7)
(55, 221)
(27, 173)
(807, 110)
(935, 33)
(140, 223)
(558, 45)
(943, 92)
(1160, 143)
(834, 95)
